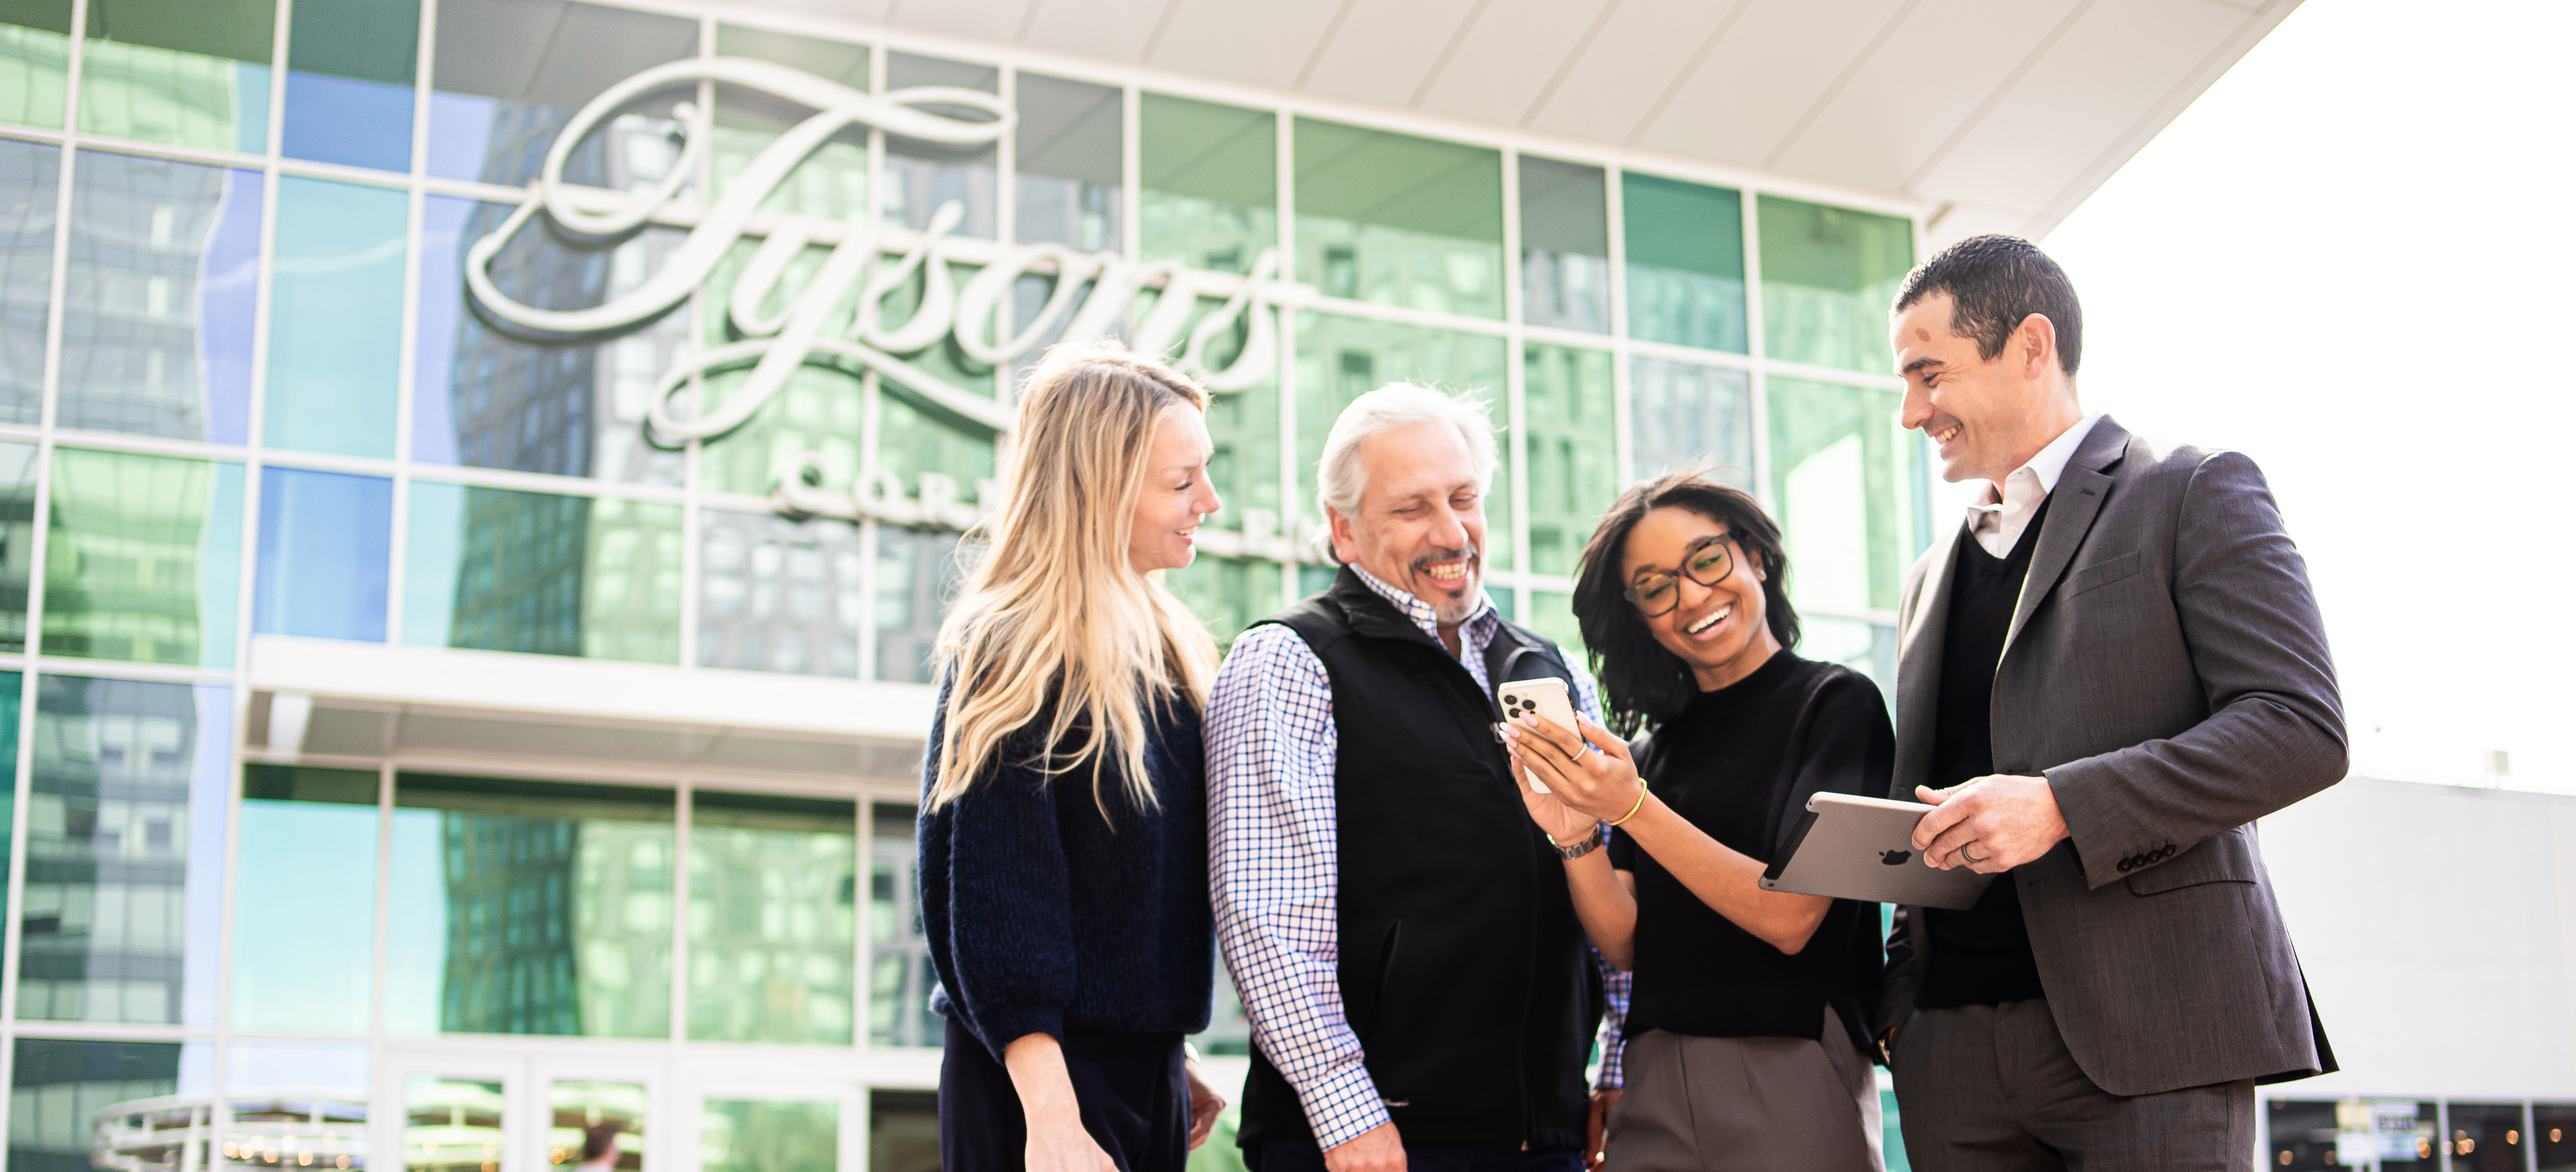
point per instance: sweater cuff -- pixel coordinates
(1001, 1025)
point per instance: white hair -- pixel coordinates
(1339, 475)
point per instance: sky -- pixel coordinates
(2350, 259)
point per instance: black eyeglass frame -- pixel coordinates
(1725, 569)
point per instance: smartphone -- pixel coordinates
(1547, 697)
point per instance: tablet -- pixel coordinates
(1863, 848)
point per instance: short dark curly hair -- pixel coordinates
(1994, 283)
(1641, 681)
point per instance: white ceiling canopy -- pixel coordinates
(1994, 115)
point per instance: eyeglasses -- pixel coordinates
(1708, 562)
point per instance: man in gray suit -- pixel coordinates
(2105, 675)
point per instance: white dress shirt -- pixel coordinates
(2007, 510)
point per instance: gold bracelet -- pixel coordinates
(1632, 810)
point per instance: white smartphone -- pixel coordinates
(1547, 697)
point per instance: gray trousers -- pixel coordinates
(1751, 1103)
(1993, 1089)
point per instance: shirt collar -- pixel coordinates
(1422, 615)
(2050, 463)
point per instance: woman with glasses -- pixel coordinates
(1747, 1020)
(1063, 837)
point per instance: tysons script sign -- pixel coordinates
(866, 263)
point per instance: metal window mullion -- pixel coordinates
(1515, 384)
(1622, 388)
(1758, 383)
(1284, 192)
(684, 797)
(407, 386)
(693, 452)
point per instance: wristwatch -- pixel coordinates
(1590, 843)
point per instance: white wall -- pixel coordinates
(2437, 925)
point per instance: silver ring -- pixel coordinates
(1963, 853)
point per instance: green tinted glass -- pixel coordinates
(523, 907)
(1341, 358)
(1569, 415)
(125, 852)
(1684, 416)
(144, 560)
(304, 900)
(762, 1135)
(335, 318)
(35, 58)
(18, 521)
(1565, 245)
(572, 1108)
(832, 183)
(504, 570)
(1228, 594)
(10, 685)
(1865, 647)
(1828, 277)
(30, 187)
(1552, 614)
(899, 974)
(773, 918)
(1685, 262)
(1209, 194)
(190, 72)
(1397, 220)
(58, 1090)
(1839, 493)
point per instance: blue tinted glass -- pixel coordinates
(350, 66)
(161, 297)
(301, 948)
(325, 548)
(335, 318)
(30, 185)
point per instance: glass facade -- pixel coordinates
(287, 363)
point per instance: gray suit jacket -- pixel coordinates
(2166, 668)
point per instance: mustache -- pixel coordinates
(1467, 551)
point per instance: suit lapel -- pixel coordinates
(2072, 505)
(1918, 659)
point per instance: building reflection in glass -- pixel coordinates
(30, 186)
(160, 292)
(773, 917)
(780, 595)
(505, 570)
(899, 974)
(58, 1089)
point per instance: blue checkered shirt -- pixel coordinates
(1273, 863)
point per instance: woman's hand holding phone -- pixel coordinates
(1595, 786)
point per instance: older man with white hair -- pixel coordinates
(1420, 992)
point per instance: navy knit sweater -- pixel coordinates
(1044, 917)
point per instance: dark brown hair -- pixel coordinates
(1641, 681)
(1995, 283)
(599, 1139)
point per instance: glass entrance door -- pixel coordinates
(742, 1119)
(452, 1111)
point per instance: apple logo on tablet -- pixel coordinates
(1895, 858)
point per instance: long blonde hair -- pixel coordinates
(1053, 611)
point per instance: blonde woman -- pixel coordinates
(1063, 836)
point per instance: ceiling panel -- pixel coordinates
(1936, 70)
(1381, 52)
(1773, 64)
(1109, 30)
(2118, 64)
(1503, 62)
(983, 20)
(1631, 63)
(1262, 44)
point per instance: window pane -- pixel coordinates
(917, 573)
(58, 1090)
(190, 72)
(1244, 468)
(1397, 220)
(504, 570)
(325, 549)
(525, 907)
(575, 1107)
(1068, 159)
(1838, 492)
(758, 1135)
(1685, 262)
(920, 176)
(1828, 277)
(17, 540)
(351, 65)
(35, 58)
(1228, 594)
(144, 561)
(832, 182)
(2487, 1137)
(452, 1124)
(1210, 183)
(1567, 407)
(2553, 1127)
(899, 973)
(30, 186)
(1683, 416)
(1341, 358)
(773, 918)
(304, 902)
(780, 595)
(485, 398)
(161, 298)
(1552, 614)
(511, 73)
(293, 1100)
(1865, 647)
(1565, 245)
(903, 1131)
(125, 852)
(335, 318)
(12, 686)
